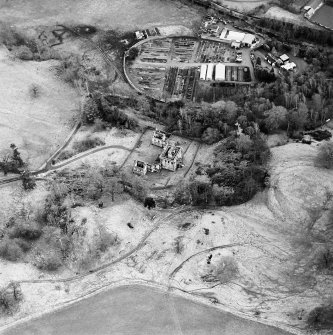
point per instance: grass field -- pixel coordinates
(244, 5)
(117, 14)
(141, 310)
(36, 125)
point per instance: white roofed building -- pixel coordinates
(248, 40)
(236, 44)
(284, 58)
(203, 71)
(220, 72)
(289, 66)
(139, 35)
(235, 36)
(238, 37)
(210, 70)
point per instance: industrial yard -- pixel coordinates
(176, 68)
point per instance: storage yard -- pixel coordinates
(174, 68)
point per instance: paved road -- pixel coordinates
(140, 310)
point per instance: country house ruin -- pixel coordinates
(171, 157)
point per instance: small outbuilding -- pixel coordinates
(236, 44)
(271, 59)
(140, 168)
(284, 58)
(139, 35)
(289, 66)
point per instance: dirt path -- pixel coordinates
(193, 160)
(133, 149)
(141, 244)
(48, 167)
(86, 154)
(48, 163)
(174, 272)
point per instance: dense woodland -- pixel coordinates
(287, 31)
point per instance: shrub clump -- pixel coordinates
(69, 70)
(103, 108)
(87, 144)
(25, 231)
(49, 261)
(10, 298)
(325, 156)
(105, 240)
(321, 317)
(10, 250)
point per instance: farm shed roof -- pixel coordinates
(220, 72)
(248, 38)
(284, 57)
(232, 35)
(289, 66)
(235, 44)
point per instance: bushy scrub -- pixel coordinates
(19, 235)
(24, 53)
(105, 240)
(25, 231)
(103, 108)
(24, 47)
(87, 144)
(46, 259)
(321, 317)
(69, 70)
(10, 298)
(325, 156)
(10, 250)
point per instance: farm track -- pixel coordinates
(179, 267)
(48, 162)
(114, 262)
(193, 159)
(47, 167)
(133, 149)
